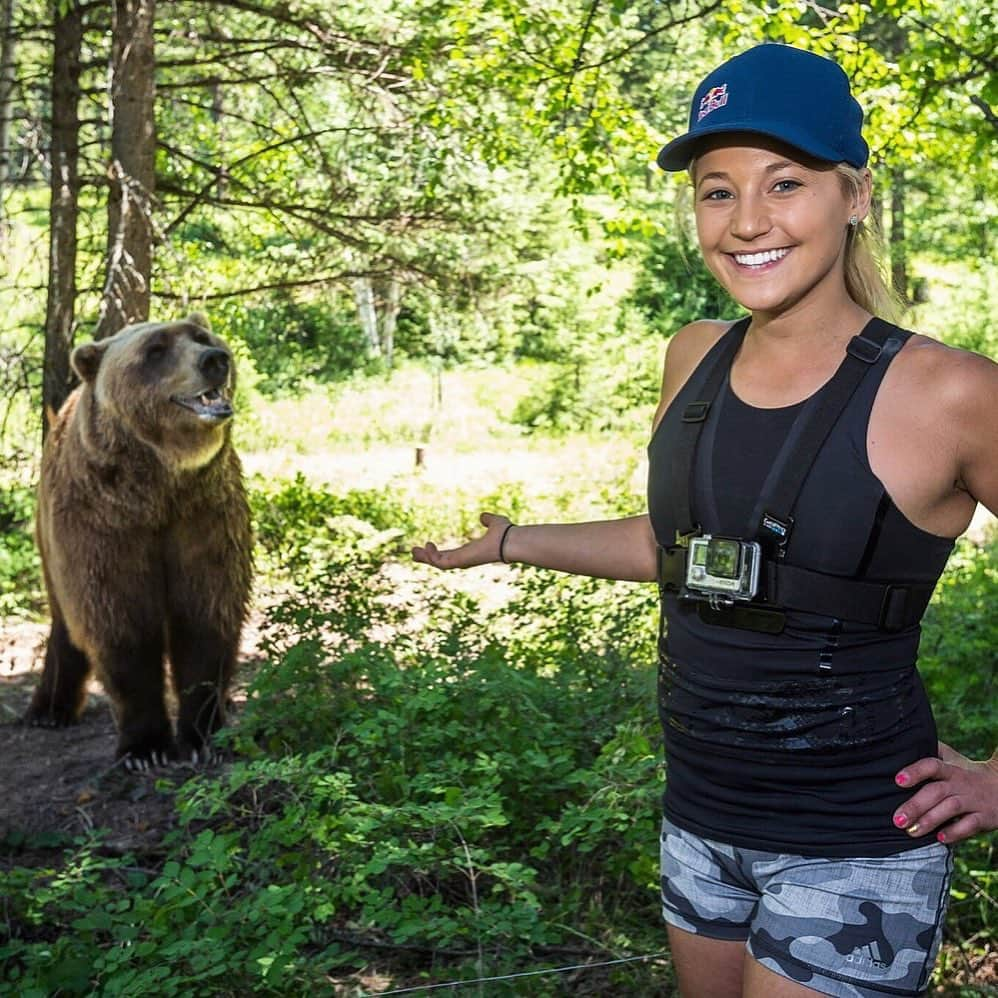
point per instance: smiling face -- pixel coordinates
(772, 224)
(168, 384)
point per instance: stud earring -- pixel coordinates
(854, 220)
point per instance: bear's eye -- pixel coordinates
(199, 336)
(155, 352)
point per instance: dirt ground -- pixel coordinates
(55, 784)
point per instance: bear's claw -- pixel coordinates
(44, 719)
(205, 755)
(147, 761)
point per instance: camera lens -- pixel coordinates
(722, 558)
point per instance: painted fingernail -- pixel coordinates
(901, 779)
(941, 836)
(900, 820)
(913, 830)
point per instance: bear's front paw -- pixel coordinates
(204, 754)
(49, 716)
(144, 763)
(142, 755)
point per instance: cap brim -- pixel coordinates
(677, 154)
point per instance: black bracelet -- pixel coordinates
(502, 543)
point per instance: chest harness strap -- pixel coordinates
(783, 586)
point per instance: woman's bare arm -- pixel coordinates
(604, 549)
(607, 549)
(958, 797)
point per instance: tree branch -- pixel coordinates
(647, 36)
(980, 57)
(577, 61)
(986, 110)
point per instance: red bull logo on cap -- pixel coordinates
(714, 98)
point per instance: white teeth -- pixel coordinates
(757, 259)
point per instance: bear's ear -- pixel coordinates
(199, 319)
(86, 359)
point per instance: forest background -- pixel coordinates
(428, 228)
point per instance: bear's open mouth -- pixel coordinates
(211, 404)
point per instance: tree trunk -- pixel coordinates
(217, 107)
(899, 258)
(63, 209)
(7, 70)
(390, 301)
(981, 225)
(363, 292)
(131, 172)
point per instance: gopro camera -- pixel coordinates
(718, 567)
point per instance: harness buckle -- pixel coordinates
(671, 566)
(894, 608)
(683, 538)
(863, 349)
(696, 412)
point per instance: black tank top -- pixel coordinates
(790, 742)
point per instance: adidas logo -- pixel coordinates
(870, 953)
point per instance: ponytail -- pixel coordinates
(864, 273)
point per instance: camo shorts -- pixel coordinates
(857, 928)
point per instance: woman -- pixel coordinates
(810, 467)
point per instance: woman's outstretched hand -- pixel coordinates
(958, 798)
(478, 551)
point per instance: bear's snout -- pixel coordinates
(214, 365)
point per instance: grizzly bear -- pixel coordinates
(144, 532)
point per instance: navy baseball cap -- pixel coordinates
(780, 91)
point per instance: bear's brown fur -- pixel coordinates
(144, 533)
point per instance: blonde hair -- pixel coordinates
(866, 281)
(865, 277)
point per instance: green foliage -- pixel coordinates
(300, 524)
(20, 565)
(959, 307)
(957, 656)
(609, 384)
(462, 790)
(959, 664)
(294, 342)
(674, 287)
(171, 932)
(482, 769)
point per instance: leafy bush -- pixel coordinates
(959, 307)
(20, 564)
(959, 664)
(197, 925)
(957, 655)
(605, 386)
(494, 784)
(292, 517)
(293, 341)
(674, 286)
(410, 778)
